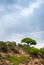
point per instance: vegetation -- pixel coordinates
(28, 41)
(3, 46)
(10, 51)
(42, 52)
(13, 59)
(23, 58)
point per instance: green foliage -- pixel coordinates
(28, 41)
(7, 46)
(24, 58)
(16, 60)
(33, 42)
(26, 48)
(3, 46)
(31, 50)
(11, 46)
(42, 52)
(34, 50)
(13, 59)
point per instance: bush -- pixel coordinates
(26, 48)
(31, 50)
(34, 50)
(10, 46)
(42, 52)
(24, 58)
(13, 59)
(3, 46)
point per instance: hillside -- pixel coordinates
(12, 54)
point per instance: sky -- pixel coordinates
(20, 19)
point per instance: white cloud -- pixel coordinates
(19, 36)
(30, 9)
(15, 37)
(39, 45)
(13, 20)
(9, 20)
(2, 32)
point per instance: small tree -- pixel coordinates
(29, 41)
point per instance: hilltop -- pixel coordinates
(21, 54)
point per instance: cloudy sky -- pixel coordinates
(22, 18)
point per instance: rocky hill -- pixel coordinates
(12, 54)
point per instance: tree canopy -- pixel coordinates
(29, 41)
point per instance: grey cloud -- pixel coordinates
(12, 22)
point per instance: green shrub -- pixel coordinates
(34, 50)
(26, 48)
(13, 59)
(3, 46)
(42, 52)
(24, 58)
(31, 50)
